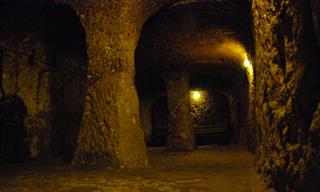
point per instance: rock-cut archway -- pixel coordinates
(44, 62)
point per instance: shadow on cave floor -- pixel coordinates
(208, 169)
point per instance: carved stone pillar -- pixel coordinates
(181, 133)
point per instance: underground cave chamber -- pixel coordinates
(208, 83)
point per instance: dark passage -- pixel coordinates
(13, 144)
(66, 52)
(159, 123)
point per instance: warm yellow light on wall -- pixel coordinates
(247, 64)
(196, 95)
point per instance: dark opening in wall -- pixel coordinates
(160, 120)
(66, 48)
(150, 87)
(13, 146)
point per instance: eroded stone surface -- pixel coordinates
(286, 94)
(181, 132)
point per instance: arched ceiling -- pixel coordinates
(190, 33)
(208, 38)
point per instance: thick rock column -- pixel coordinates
(181, 132)
(110, 133)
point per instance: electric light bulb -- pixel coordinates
(196, 95)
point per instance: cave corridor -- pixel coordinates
(160, 95)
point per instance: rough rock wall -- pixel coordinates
(234, 118)
(237, 117)
(31, 84)
(25, 74)
(287, 93)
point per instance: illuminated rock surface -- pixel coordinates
(205, 170)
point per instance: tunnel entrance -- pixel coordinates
(160, 120)
(66, 48)
(12, 131)
(210, 113)
(189, 47)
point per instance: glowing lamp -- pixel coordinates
(196, 95)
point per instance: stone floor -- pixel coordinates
(208, 169)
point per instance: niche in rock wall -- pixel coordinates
(13, 146)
